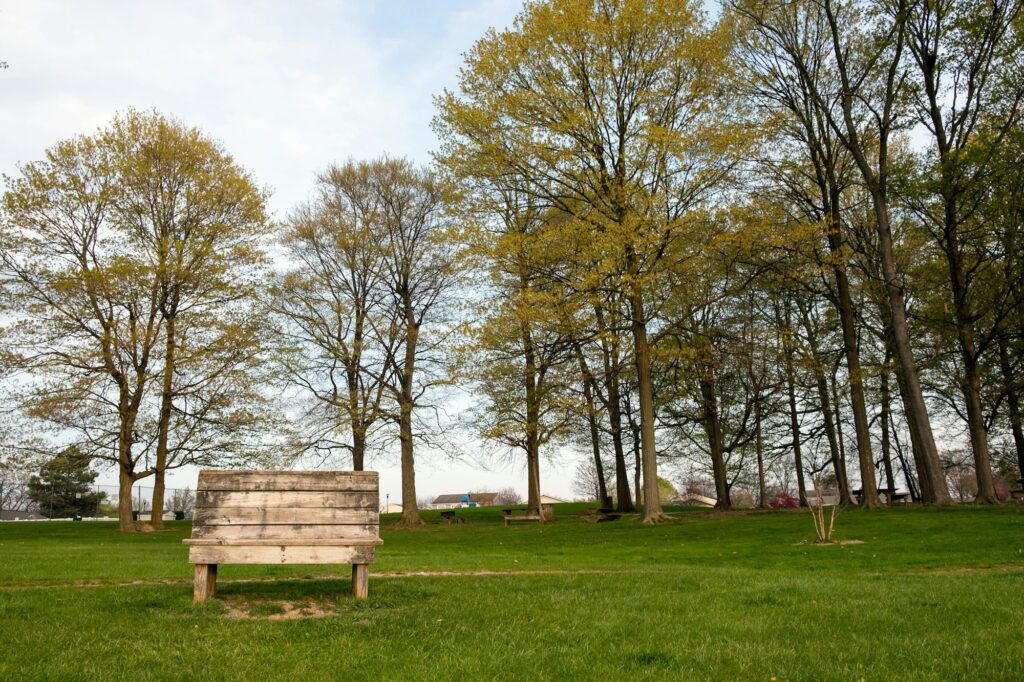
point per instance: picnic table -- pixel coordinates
(600, 515)
(891, 495)
(449, 517)
(515, 514)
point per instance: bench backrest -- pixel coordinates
(287, 505)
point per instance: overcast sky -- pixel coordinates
(286, 87)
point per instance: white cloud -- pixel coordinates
(287, 89)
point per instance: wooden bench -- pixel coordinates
(891, 496)
(450, 517)
(600, 515)
(512, 514)
(284, 517)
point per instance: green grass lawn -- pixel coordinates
(931, 594)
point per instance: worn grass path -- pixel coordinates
(930, 594)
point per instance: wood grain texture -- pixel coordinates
(360, 580)
(276, 554)
(274, 542)
(241, 516)
(365, 481)
(289, 533)
(204, 583)
(284, 498)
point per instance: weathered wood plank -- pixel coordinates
(360, 580)
(366, 481)
(204, 583)
(283, 498)
(289, 533)
(269, 542)
(232, 516)
(270, 554)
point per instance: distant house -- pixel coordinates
(456, 500)
(392, 508)
(547, 499)
(692, 500)
(19, 515)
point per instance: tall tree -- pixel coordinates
(858, 90)
(969, 78)
(606, 108)
(125, 256)
(335, 317)
(199, 219)
(523, 339)
(86, 306)
(420, 269)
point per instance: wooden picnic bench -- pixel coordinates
(449, 516)
(547, 513)
(284, 517)
(890, 495)
(600, 515)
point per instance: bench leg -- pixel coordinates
(360, 580)
(204, 583)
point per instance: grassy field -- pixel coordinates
(930, 594)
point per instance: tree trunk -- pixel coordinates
(1010, 384)
(358, 449)
(979, 435)
(838, 411)
(638, 467)
(886, 419)
(916, 445)
(595, 436)
(530, 380)
(713, 428)
(794, 421)
(971, 380)
(410, 512)
(762, 493)
(125, 464)
(869, 490)
(357, 419)
(612, 368)
(917, 410)
(645, 395)
(623, 495)
(125, 522)
(156, 518)
(851, 349)
(915, 490)
(828, 416)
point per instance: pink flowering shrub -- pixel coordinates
(783, 499)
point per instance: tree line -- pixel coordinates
(742, 246)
